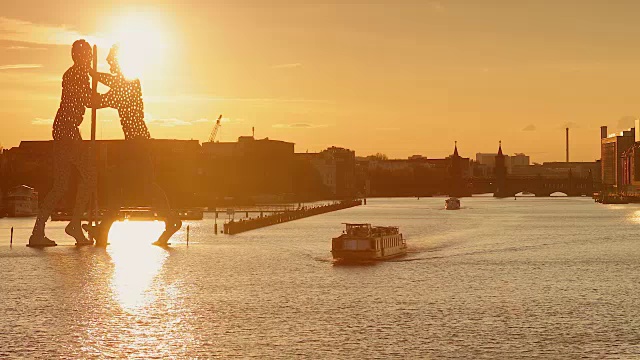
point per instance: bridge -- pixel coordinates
(503, 184)
(509, 186)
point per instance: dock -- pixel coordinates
(136, 214)
(235, 227)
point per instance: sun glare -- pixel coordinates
(142, 43)
(136, 261)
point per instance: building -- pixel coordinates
(519, 159)
(336, 169)
(560, 169)
(124, 167)
(256, 170)
(612, 148)
(630, 184)
(488, 161)
(418, 175)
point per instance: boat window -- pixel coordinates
(350, 244)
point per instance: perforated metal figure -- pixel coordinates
(125, 95)
(68, 150)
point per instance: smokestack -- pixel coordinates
(567, 144)
(603, 132)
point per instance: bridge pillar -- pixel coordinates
(500, 174)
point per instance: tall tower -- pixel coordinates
(456, 186)
(500, 172)
(567, 144)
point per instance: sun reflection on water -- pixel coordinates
(136, 263)
(635, 216)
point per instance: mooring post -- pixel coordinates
(11, 241)
(187, 235)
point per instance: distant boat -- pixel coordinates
(363, 242)
(22, 201)
(452, 203)
(613, 199)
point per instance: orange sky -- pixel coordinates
(396, 78)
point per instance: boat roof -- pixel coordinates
(369, 226)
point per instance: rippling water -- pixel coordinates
(540, 278)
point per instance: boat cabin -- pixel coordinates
(370, 242)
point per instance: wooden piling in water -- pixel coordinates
(11, 241)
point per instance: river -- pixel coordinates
(500, 278)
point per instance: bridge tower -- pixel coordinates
(500, 173)
(456, 184)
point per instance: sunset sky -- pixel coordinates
(390, 77)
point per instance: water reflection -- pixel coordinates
(136, 263)
(634, 217)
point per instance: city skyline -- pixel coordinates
(402, 80)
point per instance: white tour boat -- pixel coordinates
(363, 242)
(21, 201)
(452, 203)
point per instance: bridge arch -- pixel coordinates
(525, 194)
(559, 194)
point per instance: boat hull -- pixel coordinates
(366, 256)
(366, 243)
(452, 204)
(21, 210)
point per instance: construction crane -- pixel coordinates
(214, 132)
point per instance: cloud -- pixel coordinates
(16, 47)
(20, 66)
(172, 122)
(627, 122)
(437, 6)
(224, 120)
(287, 66)
(197, 98)
(298, 126)
(530, 127)
(28, 32)
(40, 121)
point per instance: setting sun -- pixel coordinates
(142, 43)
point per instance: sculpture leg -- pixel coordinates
(61, 173)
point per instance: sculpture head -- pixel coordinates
(81, 53)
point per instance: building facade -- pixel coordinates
(612, 148)
(336, 168)
(259, 170)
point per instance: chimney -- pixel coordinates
(567, 144)
(603, 132)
